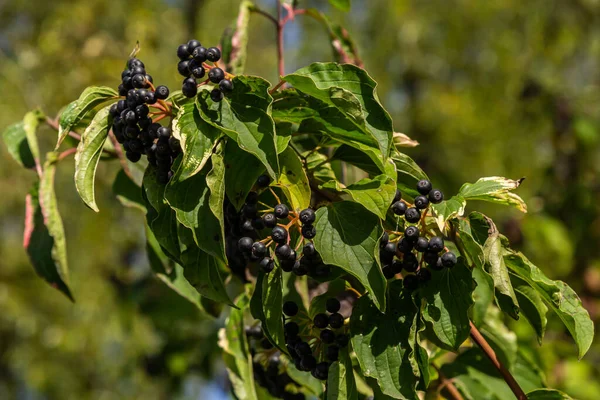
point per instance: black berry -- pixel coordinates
(421, 245)
(183, 52)
(412, 215)
(245, 244)
(399, 207)
(216, 75)
(430, 257)
(226, 86)
(336, 320)
(332, 305)
(300, 269)
(436, 244)
(259, 249)
(216, 95)
(283, 251)
(281, 211)
(290, 308)
(307, 216)
(263, 181)
(405, 245)
(397, 196)
(327, 336)
(411, 233)
(213, 54)
(270, 220)
(132, 156)
(291, 329)
(183, 68)
(189, 89)
(421, 202)
(279, 235)
(436, 196)
(161, 92)
(321, 321)
(309, 250)
(309, 231)
(342, 340)
(410, 262)
(385, 238)
(267, 264)
(192, 44)
(199, 54)
(448, 259)
(424, 187)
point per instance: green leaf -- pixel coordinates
(15, 139)
(348, 237)
(44, 237)
(384, 343)
(215, 180)
(159, 262)
(236, 352)
(483, 295)
(197, 139)
(235, 41)
(161, 218)
(343, 5)
(88, 155)
(242, 170)
(31, 122)
(340, 380)
(352, 91)
(177, 282)
(502, 340)
(202, 271)
(547, 394)
(244, 116)
(375, 194)
(559, 297)
(191, 199)
(128, 192)
(82, 108)
(293, 180)
(314, 116)
(494, 189)
(448, 209)
(494, 252)
(531, 304)
(307, 381)
(266, 305)
(409, 173)
(447, 299)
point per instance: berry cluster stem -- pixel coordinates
(447, 384)
(489, 352)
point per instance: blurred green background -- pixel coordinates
(497, 87)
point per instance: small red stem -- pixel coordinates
(280, 25)
(489, 352)
(67, 153)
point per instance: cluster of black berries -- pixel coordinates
(268, 368)
(133, 127)
(245, 244)
(413, 250)
(315, 341)
(193, 56)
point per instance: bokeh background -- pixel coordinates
(497, 87)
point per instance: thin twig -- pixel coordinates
(280, 26)
(448, 385)
(489, 352)
(279, 84)
(265, 14)
(67, 153)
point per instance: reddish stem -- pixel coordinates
(67, 153)
(280, 25)
(489, 352)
